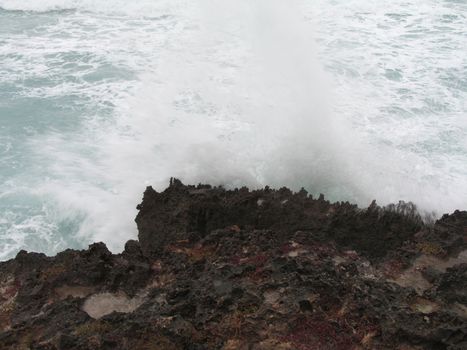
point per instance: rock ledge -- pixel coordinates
(265, 269)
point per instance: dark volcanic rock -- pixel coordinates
(181, 212)
(265, 269)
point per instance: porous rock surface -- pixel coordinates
(265, 269)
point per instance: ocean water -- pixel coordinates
(352, 98)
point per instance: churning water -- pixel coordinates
(352, 98)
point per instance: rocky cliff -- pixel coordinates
(265, 269)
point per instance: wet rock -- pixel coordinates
(133, 249)
(240, 269)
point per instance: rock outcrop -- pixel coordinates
(265, 269)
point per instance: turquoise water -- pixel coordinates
(354, 99)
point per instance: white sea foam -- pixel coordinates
(139, 8)
(349, 98)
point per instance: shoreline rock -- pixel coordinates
(240, 269)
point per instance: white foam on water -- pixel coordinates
(349, 98)
(116, 7)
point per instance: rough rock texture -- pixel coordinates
(266, 269)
